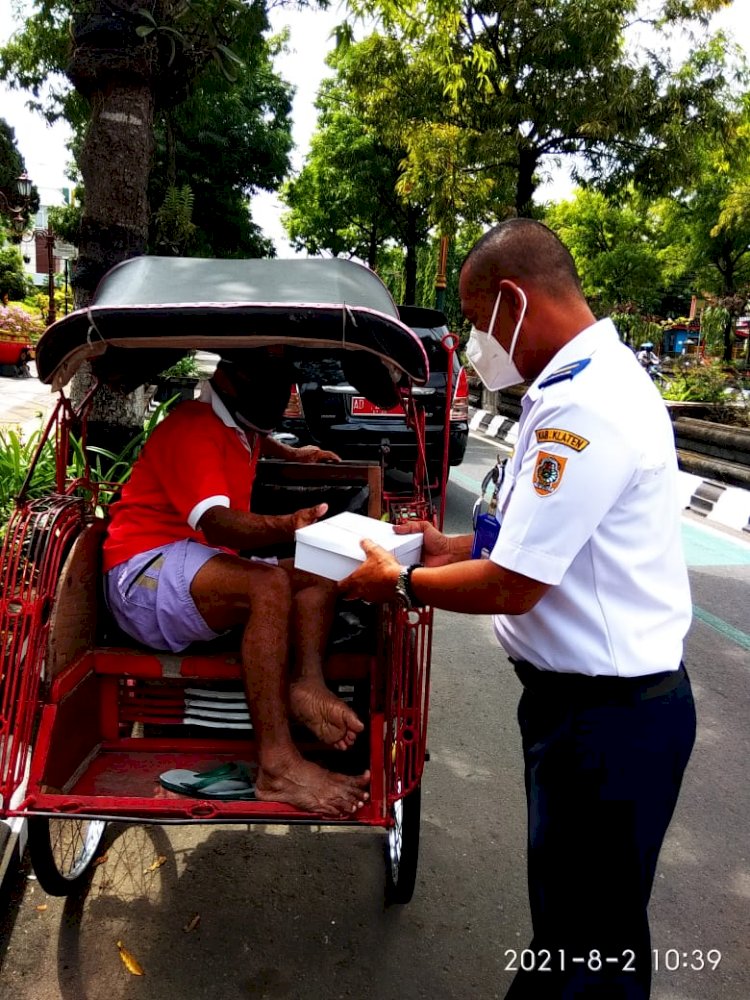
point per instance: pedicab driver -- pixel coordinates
(174, 575)
(590, 597)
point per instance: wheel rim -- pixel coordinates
(74, 843)
(396, 838)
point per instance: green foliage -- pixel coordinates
(524, 84)
(178, 39)
(348, 199)
(636, 329)
(16, 453)
(714, 320)
(16, 323)
(106, 468)
(225, 142)
(706, 223)
(614, 246)
(175, 229)
(697, 384)
(11, 167)
(13, 280)
(186, 367)
(65, 220)
(222, 114)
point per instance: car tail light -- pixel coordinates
(294, 406)
(460, 405)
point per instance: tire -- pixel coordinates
(62, 852)
(402, 848)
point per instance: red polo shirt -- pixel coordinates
(190, 458)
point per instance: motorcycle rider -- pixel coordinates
(647, 358)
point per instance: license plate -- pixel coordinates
(363, 407)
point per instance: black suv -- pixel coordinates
(326, 410)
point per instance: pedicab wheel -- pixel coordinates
(402, 848)
(62, 851)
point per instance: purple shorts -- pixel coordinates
(149, 595)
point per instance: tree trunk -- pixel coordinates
(528, 161)
(411, 263)
(372, 249)
(112, 67)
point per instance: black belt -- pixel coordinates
(585, 687)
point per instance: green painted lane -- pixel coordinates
(704, 547)
(723, 628)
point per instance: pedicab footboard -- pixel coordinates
(116, 719)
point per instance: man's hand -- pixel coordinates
(375, 580)
(308, 515)
(311, 453)
(436, 549)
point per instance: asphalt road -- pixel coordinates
(297, 912)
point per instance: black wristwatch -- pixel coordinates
(404, 592)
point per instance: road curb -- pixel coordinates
(725, 505)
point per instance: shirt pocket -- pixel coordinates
(140, 588)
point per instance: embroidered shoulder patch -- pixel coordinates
(555, 435)
(548, 473)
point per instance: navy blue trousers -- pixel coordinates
(603, 768)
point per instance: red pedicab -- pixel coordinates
(89, 719)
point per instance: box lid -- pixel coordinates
(343, 533)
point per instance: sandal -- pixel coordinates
(228, 781)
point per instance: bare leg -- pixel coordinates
(228, 591)
(312, 702)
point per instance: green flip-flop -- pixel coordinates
(228, 781)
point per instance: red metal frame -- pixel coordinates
(38, 538)
(105, 681)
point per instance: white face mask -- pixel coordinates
(493, 364)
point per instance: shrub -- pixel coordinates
(17, 324)
(697, 384)
(16, 454)
(106, 467)
(186, 367)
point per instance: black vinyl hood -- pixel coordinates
(170, 305)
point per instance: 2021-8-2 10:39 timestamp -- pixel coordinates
(662, 959)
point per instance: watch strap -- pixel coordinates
(414, 601)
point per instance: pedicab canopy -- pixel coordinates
(149, 311)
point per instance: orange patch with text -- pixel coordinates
(556, 435)
(548, 473)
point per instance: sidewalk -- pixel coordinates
(24, 402)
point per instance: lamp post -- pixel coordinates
(49, 242)
(25, 185)
(441, 278)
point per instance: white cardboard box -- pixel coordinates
(332, 548)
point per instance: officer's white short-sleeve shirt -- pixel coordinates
(590, 505)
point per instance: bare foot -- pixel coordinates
(302, 784)
(327, 716)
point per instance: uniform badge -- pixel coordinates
(556, 435)
(548, 473)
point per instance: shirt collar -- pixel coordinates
(208, 395)
(583, 345)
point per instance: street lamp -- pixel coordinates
(23, 186)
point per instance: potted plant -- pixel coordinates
(180, 379)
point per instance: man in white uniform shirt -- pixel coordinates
(589, 591)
